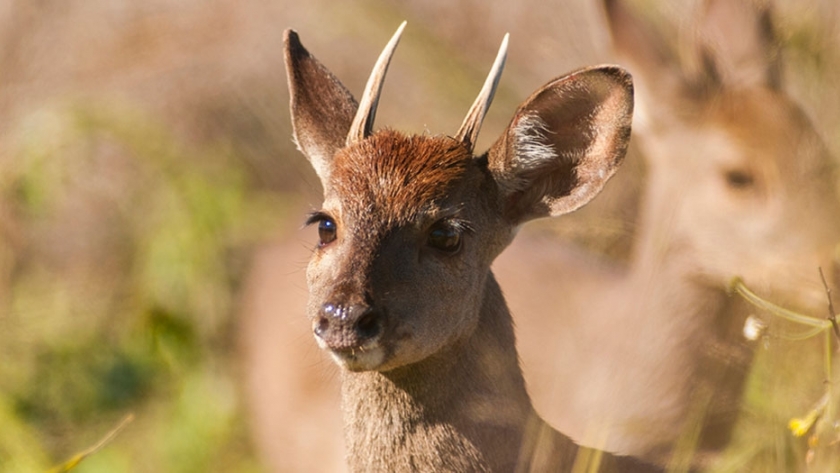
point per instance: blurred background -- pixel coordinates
(151, 198)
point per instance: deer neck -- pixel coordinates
(665, 283)
(692, 320)
(465, 409)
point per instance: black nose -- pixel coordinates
(348, 326)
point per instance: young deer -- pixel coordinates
(401, 293)
(738, 184)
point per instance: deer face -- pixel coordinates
(405, 248)
(738, 174)
(410, 224)
(752, 192)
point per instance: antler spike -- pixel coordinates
(362, 125)
(468, 133)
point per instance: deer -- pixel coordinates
(648, 356)
(402, 297)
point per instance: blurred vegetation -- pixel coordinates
(117, 294)
(125, 234)
(790, 418)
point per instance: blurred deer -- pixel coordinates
(401, 293)
(642, 357)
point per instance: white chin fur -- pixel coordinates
(360, 360)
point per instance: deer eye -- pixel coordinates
(326, 228)
(739, 178)
(446, 236)
(326, 231)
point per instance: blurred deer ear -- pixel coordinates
(563, 143)
(656, 70)
(636, 43)
(322, 108)
(738, 41)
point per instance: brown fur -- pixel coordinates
(432, 382)
(400, 176)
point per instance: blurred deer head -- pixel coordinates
(738, 174)
(739, 184)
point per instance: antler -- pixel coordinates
(468, 133)
(363, 122)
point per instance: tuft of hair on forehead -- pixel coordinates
(398, 176)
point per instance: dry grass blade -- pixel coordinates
(76, 459)
(832, 315)
(741, 289)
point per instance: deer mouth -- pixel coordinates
(367, 357)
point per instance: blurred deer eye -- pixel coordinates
(445, 237)
(739, 179)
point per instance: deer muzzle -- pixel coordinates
(349, 331)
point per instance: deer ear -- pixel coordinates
(322, 108)
(637, 44)
(656, 69)
(563, 143)
(739, 41)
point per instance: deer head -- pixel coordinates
(738, 174)
(410, 224)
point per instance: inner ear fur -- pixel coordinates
(563, 143)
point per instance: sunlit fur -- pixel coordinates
(386, 193)
(431, 380)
